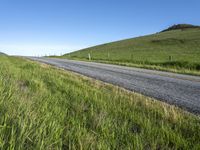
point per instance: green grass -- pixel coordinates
(171, 50)
(42, 107)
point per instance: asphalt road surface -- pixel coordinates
(180, 90)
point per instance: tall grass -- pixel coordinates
(45, 108)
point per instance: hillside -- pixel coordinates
(2, 53)
(177, 47)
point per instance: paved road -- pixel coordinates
(176, 89)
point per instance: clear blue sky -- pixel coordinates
(39, 27)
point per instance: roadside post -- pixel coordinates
(89, 56)
(108, 55)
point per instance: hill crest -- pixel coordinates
(2, 53)
(181, 27)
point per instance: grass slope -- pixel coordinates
(45, 108)
(174, 49)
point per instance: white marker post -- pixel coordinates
(108, 55)
(89, 56)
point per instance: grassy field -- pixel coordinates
(42, 107)
(174, 50)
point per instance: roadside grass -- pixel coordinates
(174, 69)
(42, 107)
(177, 50)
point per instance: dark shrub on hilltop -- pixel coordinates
(181, 26)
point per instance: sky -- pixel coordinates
(56, 27)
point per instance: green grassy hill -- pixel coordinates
(176, 47)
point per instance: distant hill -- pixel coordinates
(177, 46)
(2, 53)
(181, 27)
